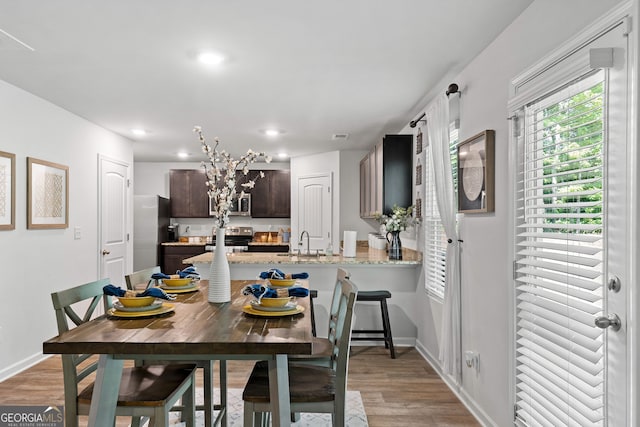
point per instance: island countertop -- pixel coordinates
(364, 255)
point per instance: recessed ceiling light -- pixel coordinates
(138, 131)
(210, 58)
(183, 154)
(283, 155)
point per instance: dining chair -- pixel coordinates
(146, 391)
(135, 281)
(311, 388)
(323, 347)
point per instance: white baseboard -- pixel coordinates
(397, 342)
(20, 366)
(460, 393)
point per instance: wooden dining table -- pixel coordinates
(194, 330)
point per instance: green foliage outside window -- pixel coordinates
(572, 135)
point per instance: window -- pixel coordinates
(559, 261)
(435, 237)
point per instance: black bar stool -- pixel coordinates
(382, 297)
(313, 294)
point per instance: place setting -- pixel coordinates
(274, 302)
(132, 304)
(278, 279)
(184, 281)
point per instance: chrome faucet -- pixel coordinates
(300, 242)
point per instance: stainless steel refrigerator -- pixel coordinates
(150, 228)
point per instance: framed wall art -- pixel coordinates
(47, 194)
(476, 173)
(7, 191)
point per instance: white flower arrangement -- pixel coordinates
(399, 219)
(221, 176)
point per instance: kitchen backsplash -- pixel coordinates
(204, 226)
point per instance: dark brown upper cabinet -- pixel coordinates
(271, 196)
(188, 193)
(386, 177)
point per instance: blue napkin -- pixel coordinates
(258, 290)
(189, 272)
(274, 273)
(115, 291)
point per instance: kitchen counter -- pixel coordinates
(183, 244)
(363, 256)
(370, 269)
(260, 243)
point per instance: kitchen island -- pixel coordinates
(370, 269)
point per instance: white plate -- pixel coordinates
(287, 307)
(154, 305)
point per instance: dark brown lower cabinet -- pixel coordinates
(173, 256)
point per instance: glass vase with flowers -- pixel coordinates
(399, 219)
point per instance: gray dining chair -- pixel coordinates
(145, 391)
(142, 278)
(311, 388)
(323, 347)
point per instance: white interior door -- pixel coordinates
(114, 235)
(314, 211)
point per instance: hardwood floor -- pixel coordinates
(404, 391)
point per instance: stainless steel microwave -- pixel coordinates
(240, 206)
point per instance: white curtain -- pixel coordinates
(438, 134)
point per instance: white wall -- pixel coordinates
(35, 263)
(486, 250)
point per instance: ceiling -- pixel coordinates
(311, 69)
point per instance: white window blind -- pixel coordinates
(435, 237)
(559, 259)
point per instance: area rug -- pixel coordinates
(356, 416)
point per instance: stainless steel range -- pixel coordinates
(236, 239)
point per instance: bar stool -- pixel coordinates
(313, 294)
(382, 297)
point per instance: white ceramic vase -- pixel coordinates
(219, 274)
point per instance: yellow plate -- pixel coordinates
(166, 308)
(181, 290)
(250, 310)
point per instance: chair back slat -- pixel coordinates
(64, 300)
(140, 276)
(335, 303)
(340, 362)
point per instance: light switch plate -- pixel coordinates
(77, 233)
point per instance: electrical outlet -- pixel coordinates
(77, 233)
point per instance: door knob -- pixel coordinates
(105, 252)
(611, 321)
